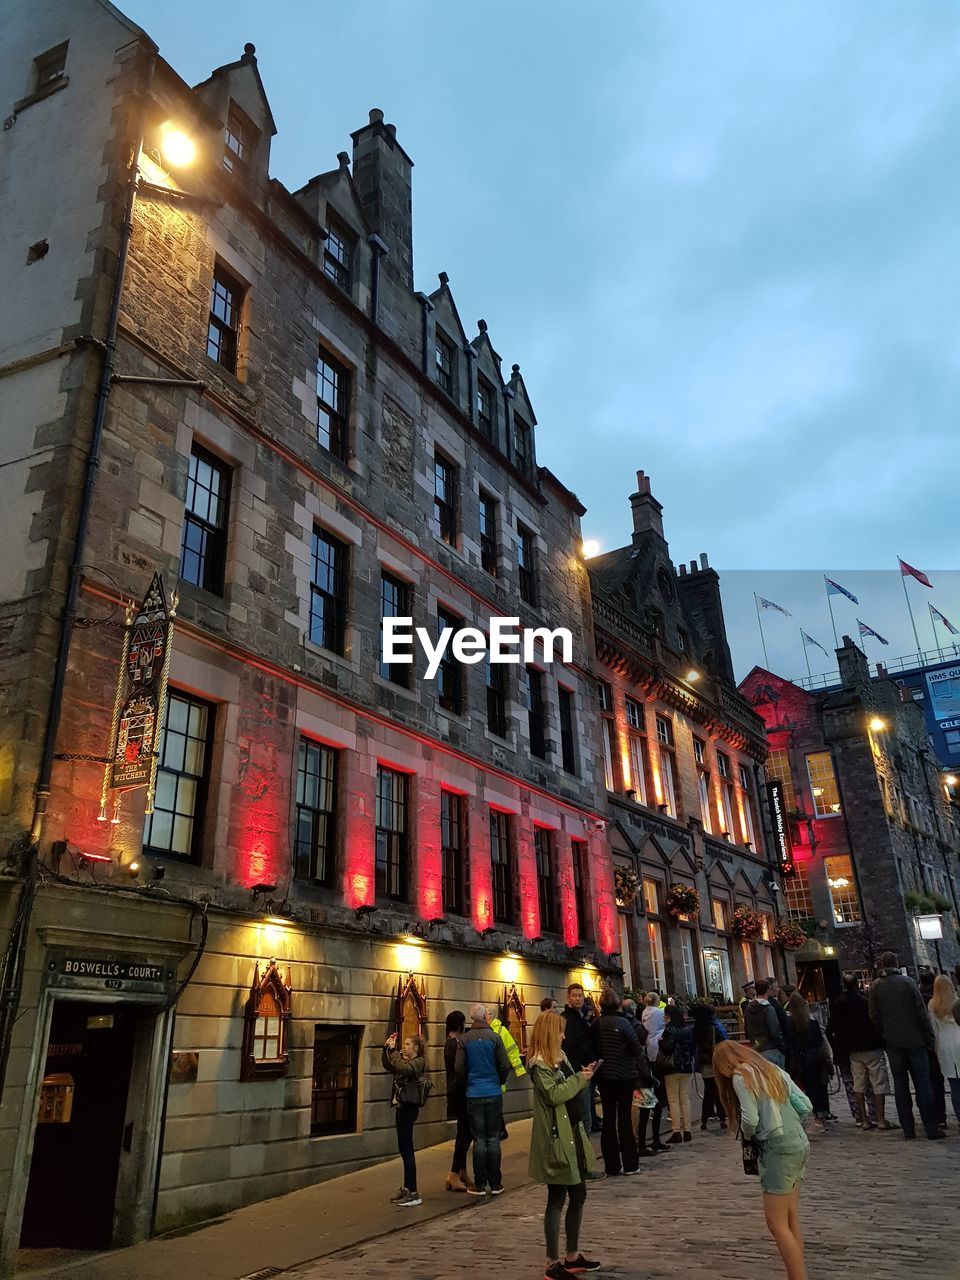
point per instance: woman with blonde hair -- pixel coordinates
(945, 1016)
(768, 1107)
(560, 1152)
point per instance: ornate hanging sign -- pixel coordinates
(140, 696)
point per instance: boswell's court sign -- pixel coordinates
(503, 642)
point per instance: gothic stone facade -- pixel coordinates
(683, 762)
(872, 829)
(312, 444)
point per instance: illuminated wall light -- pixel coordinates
(407, 956)
(509, 968)
(177, 148)
(590, 547)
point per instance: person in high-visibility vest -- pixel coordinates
(513, 1053)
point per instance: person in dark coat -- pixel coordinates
(707, 1034)
(858, 1053)
(676, 1045)
(762, 1027)
(811, 1056)
(624, 1068)
(577, 1042)
(457, 1179)
(903, 1023)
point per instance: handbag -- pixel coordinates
(750, 1154)
(644, 1099)
(424, 1089)
(664, 1063)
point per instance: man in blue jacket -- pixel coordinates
(482, 1064)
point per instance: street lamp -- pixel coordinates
(877, 724)
(177, 148)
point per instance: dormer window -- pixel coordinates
(444, 359)
(521, 444)
(239, 141)
(486, 408)
(338, 254)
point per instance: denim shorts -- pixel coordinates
(782, 1167)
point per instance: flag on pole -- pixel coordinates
(768, 604)
(835, 589)
(908, 571)
(869, 631)
(808, 640)
(946, 621)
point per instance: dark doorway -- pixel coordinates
(80, 1126)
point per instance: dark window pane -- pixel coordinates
(579, 850)
(452, 843)
(526, 567)
(224, 323)
(543, 850)
(328, 591)
(444, 364)
(501, 861)
(391, 834)
(336, 1073)
(182, 773)
(496, 682)
(314, 855)
(333, 400)
(394, 603)
(449, 674)
(535, 712)
(338, 255)
(489, 536)
(204, 541)
(444, 499)
(568, 747)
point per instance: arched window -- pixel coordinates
(264, 1055)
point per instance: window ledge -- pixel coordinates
(46, 91)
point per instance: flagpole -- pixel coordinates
(913, 622)
(766, 660)
(833, 623)
(806, 657)
(936, 637)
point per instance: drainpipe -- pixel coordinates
(13, 962)
(427, 306)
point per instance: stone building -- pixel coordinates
(872, 834)
(239, 388)
(683, 760)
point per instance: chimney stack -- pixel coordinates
(647, 511)
(382, 176)
(854, 668)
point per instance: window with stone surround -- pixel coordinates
(333, 404)
(328, 591)
(338, 250)
(336, 1078)
(489, 534)
(495, 678)
(264, 1055)
(182, 777)
(544, 854)
(651, 897)
(443, 352)
(536, 721)
(526, 563)
(778, 766)
(720, 912)
(445, 487)
(315, 853)
(568, 736)
(394, 603)
(578, 850)
(449, 677)
(746, 792)
(239, 141)
(796, 894)
(655, 942)
(203, 545)
(392, 835)
(501, 861)
(668, 776)
(486, 408)
(223, 325)
(452, 845)
(521, 444)
(50, 66)
(823, 785)
(843, 889)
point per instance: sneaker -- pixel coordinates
(410, 1200)
(496, 1191)
(476, 1191)
(659, 1146)
(558, 1272)
(646, 1151)
(597, 1176)
(582, 1264)
(626, 1174)
(400, 1195)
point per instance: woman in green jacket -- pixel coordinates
(560, 1152)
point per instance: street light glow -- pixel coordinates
(590, 547)
(177, 148)
(692, 676)
(878, 725)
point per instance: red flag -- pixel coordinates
(907, 570)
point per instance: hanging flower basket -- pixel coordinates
(790, 935)
(682, 900)
(627, 885)
(747, 923)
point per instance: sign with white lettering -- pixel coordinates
(108, 973)
(781, 831)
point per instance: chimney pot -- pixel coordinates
(693, 566)
(443, 277)
(376, 115)
(704, 562)
(391, 129)
(643, 482)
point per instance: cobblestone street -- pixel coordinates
(873, 1207)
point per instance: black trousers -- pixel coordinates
(618, 1145)
(556, 1197)
(407, 1113)
(711, 1101)
(464, 1136)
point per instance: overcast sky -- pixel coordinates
(722, 240)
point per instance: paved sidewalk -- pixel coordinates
(291, 1229)
(873, 1208)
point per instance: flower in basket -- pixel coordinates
(627, 885)
(682, 900)
(747, 923)
(790, 935)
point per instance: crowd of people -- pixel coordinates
(770, 1088)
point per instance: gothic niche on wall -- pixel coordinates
(410, 1016)
(513, 1015)
(265, 1055)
